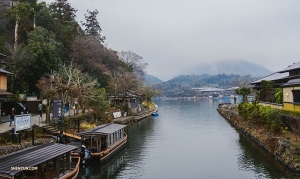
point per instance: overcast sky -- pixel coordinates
(172, 35)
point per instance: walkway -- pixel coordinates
(35, 119)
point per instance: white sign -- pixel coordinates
(22, 122)
(117, 114)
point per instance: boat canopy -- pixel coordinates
(32, 157)
(105, 129)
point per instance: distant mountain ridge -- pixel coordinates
(151, 80)
(238, 67)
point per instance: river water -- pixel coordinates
(188, 140)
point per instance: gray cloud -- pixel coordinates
(174, 35)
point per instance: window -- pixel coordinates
(296, 95)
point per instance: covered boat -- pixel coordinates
(103, 142)
(51, 160)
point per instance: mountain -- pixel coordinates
(238, 67)
(152, 80)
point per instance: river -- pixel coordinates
(188, 140)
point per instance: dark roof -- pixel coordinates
(4, 71)
(103, 129)
(272, 77)
(291, 67)
(292, 82)
(5, 93)
(32, 156)
(2, 55)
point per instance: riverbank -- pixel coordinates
(139, 116)
(284, 148)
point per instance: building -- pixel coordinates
(3, 79)
(289, 80)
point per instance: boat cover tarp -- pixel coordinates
(32, 156)
(105, 129)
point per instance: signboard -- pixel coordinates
(117, 114)
(57, 108)
(22, 122)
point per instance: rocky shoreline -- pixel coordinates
(283, 150)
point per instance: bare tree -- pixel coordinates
(134, 62)
(69, 83)
(242, 81)
(148, 93)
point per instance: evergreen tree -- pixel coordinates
(92, 26)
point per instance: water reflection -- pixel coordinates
(188, 139)
(255, 159)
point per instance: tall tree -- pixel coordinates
(22, 14)
(92, 26)
(62, 10)
(267, 90)
(66, 28)
(244, 91)
(42, 53)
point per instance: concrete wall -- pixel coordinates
(288, 99)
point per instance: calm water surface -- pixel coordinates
(188, 140)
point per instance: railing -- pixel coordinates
(74, 172)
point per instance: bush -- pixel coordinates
(261, 115)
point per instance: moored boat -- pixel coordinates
(52, 160)
(104, 142)
(154, 114)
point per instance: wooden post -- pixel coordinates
(57, 166)
(47, 170)
(20, 138)
(36, 173)
(13, 135)
(22, 174)
(97, 143)
(78, 120)
(32, 136)
(39, 171)
(68, 161)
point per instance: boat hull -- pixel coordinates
(106, 155)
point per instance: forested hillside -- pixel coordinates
(38, 40)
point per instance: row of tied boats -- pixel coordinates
(54, 160)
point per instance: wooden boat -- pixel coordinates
(104, 142)
(51, 160)
(154, 114)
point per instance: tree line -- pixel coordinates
(52, 56)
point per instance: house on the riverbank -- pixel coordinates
(3, 79)
(133, 101)
(289, 80)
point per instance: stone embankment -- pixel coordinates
(282, 149)
(134, 118)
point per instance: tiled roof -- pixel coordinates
(103, 129)
(291, 67)
(272, 77)
(32, 156)
(292, 82)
